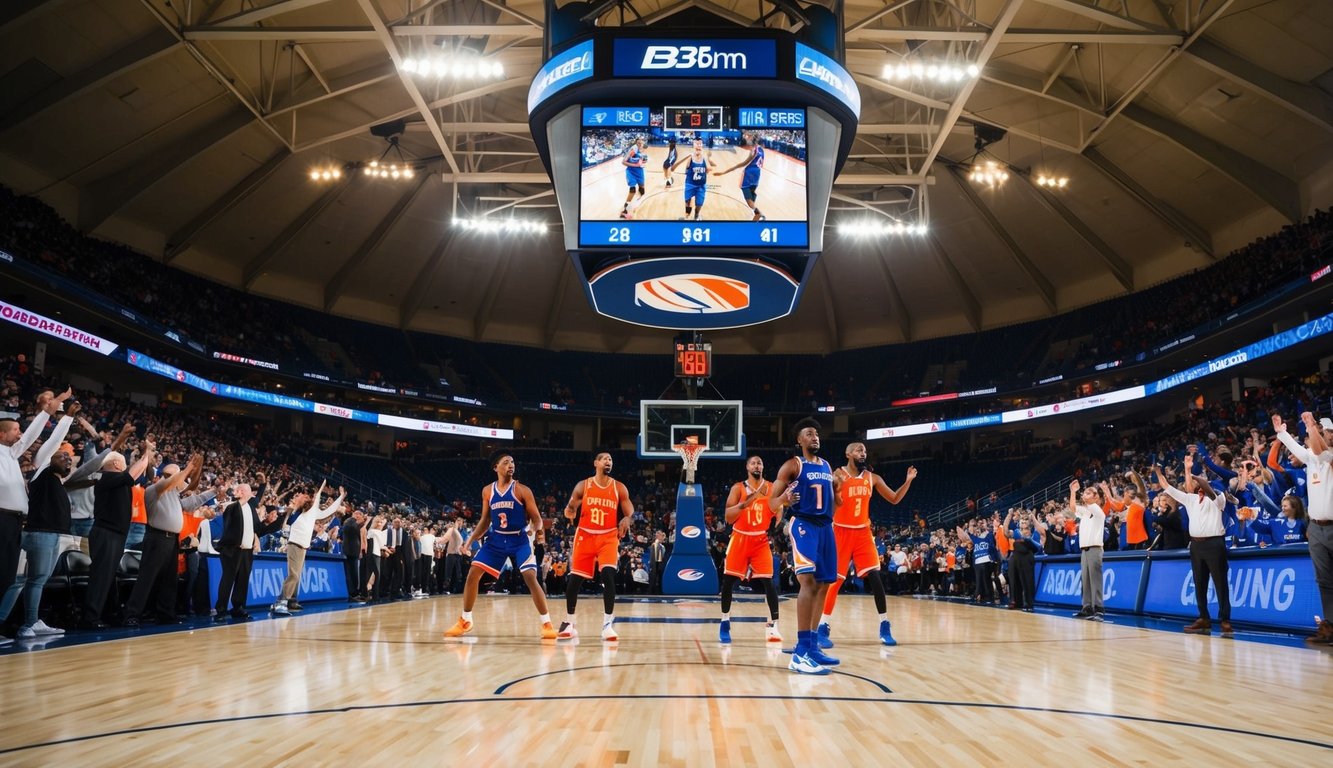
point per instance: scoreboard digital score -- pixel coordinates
(694, 360)
(693, 177)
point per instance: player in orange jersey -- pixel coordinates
(507, 510)
(856, 543)
(748, 551)
(596, 503)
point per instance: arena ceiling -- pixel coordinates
(188, 129)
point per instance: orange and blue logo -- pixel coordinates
(689, 574)
(693, 294)
(691, 532)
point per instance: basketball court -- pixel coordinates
(781, 188)
(967, 685)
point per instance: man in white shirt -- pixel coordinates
(13, 489)
(1318, 460)
(1208, 546)
(1091, 529)
(425, 560)
(298, 543)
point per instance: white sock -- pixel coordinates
(467, 616)
(607, 618)
(546, 618)
(824, 618)
(884, 617)
(726, 616)
(570, 621)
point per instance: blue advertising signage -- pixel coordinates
(764, 117)
(570, 66)
(1277, 342)
(616, 117)
(696, 234)
(693, 293)
(690, 569)
(323, 578)
(1061, 583)
(1272, 588)
(695, 58)
(827, 75)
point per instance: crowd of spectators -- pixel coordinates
(1118, 329)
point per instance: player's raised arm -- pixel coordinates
(890, 495)
(626, 508)
(575, 501)
(737, 501)
(784, 488)
(529, 502)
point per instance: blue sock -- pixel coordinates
(803, 639)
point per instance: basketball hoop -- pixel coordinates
(689, 452)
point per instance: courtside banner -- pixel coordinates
(1275, 587)
(20, 316)
(1061, 583)
(693, 293)
(322, 578)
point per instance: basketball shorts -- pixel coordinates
(749, 553)
(500, 547)
(593, 551)
(695, 193)
(750, 191)
(855, 545)
(814, 550)
(634, 177)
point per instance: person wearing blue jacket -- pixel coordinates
(1286, 528)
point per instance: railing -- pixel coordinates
(952, 513)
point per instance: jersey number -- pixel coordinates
(755, 516)
(857, 511)
(504, 520)
(597, 516)
(819, 496)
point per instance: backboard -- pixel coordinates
(716, 423)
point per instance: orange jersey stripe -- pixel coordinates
(854, 502)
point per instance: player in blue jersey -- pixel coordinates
(507, 509)
(669, 164)
(806, 484)
(697, 166)
(754, 166)
(634, 160)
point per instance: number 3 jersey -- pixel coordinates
(853, 502)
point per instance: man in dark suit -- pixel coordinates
(354, 548)
(112, 508)
(397, 541)
(242, 525)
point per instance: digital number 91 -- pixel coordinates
(695, 235)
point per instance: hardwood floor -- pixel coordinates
(967, 686)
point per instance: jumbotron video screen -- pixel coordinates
(693, 176)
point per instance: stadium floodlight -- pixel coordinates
(483, 225)
(866, 229)
(931, 71)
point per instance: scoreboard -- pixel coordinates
(692, 171)
(718, 158)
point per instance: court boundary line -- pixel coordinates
(506, 686)
(662, 697)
